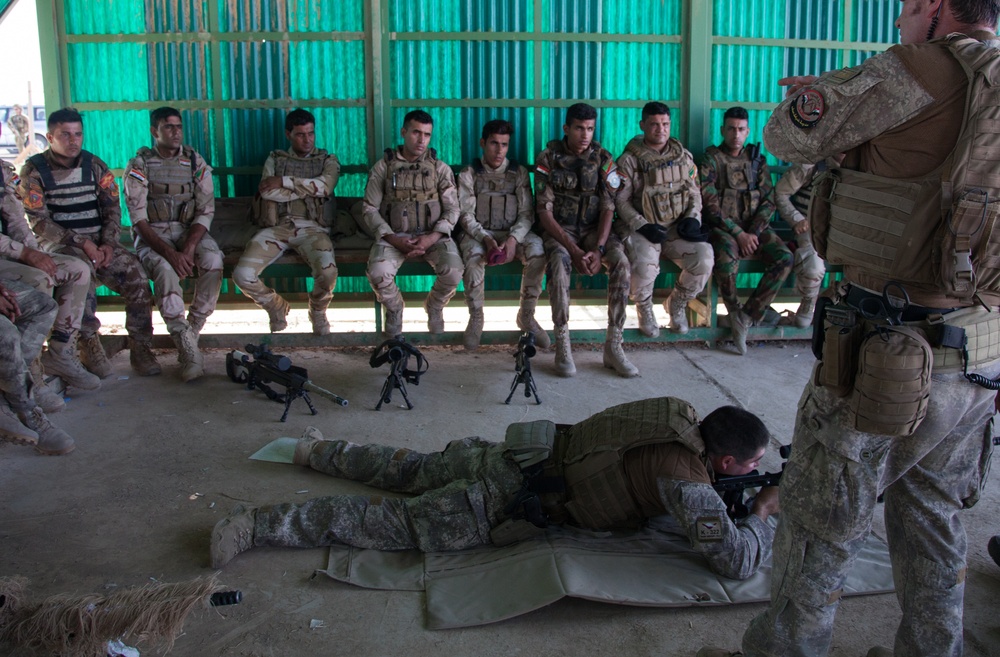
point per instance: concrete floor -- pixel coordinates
(159, 462)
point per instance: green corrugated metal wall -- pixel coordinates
(234, 67)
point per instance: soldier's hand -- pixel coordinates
(509, 250)
(39, 260)
(182, 263)
(748, 244)
(105, 254)
(800, 227)
(490, 244)
(655, 233)
(424, 242)
(8, 304)
(269, 183)
(766, 502)
(796, 83)
(581, 260)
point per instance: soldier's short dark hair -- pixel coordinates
(497, 127)
(654, 108)
(417, 116)
(736, 113)
(162, 114)
(730, 430)
(298, 117)
(976, 12)
(580, 112)
(64, 115)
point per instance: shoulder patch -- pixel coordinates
(709, 528)
(541, 170)
(34, 200)
(184, 162)
(807, 108)
(134, 173)
(614, 180)
(107, 180)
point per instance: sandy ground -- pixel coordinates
(159, 462)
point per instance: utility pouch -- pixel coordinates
(513, 531)
(403, 216)
(893, 382)
(530, 443)
(841, 339)
(818, 212)
(263, 212)
(965, 265)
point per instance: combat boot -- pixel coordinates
(564, 353)
(188, 355)
(233, 535)
(435, 317)
(526, 322)
(12, 430)
(474, 330)
(61, 360)
(196, 323)
(677, 309)
(277, 313)
(52, 441)
(140, 355)
(804, 315)
(648, 325)
(46, 397)
(393, 325)
(739, 324)
(614, 355)
(304, 447)
(92, 355)
(320, 324)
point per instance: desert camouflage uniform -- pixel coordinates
(124, 274)
(529, 245)
(72, 279)
(172, 225)
(883, 117)
(790, 195)
(463, 492)
(21, 340)
(21, 127)
(384, 260)
(694, 258)
(727, 220)
(560, 264)
(299, 230)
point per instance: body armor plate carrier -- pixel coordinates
(170, 187)
(496, 196)
(71, 194)
(411, 204)
(664, 194)
(737, 178)
(575, 180)
(310, 207)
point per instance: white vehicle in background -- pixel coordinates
(7, 146)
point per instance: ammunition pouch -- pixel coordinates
(893, 383)
(264, 213)
(840, 340)
(414, 216)
(530, 443)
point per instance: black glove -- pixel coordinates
(692, 230)
(655, 233)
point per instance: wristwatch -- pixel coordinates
(602, 249)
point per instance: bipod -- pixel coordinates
(524, 376)
(395, 380)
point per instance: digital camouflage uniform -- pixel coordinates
(791, 195)
(411, 199)
(171, 195)
(733, 202)
(95, 215)
(72, 279)
(21, 340)
(293, 217)
(897, 115)
(671, 179)
(463, 492)
(498, 203)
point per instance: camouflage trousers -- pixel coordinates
(459, 494)
(771, 251)
(69, 286)
(384, 261)
(809, 268)
(167, 290)
(530, 252)
(21, 340)
(560, 266)
(308, 239)
(694, 258)
(124, 276)
(828, 497)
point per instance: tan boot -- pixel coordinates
(46, 397)
(197, 324)
(526, 322)
(52, 441)
(474, 330)
(61, 360)
(677, 308)
(739, 324)
(140, 355)
(564, 353)
(614, 355)
(648, 325)
(232, 535)
(93, 357)
(277, 313)
(12, 430)
(393, 324)
(320, 324)
(435, 317)
(189, 355)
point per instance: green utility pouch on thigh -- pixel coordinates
(893, 381)
(841, 339)
(530, 443)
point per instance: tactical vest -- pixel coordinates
(310, 207)
(800, 199)
(892, 229)
(737, 183)
(170, 185)
(599, 494)
(664, 194)
(410, 203)
(496, 195)
(71, 194)
(575, 180)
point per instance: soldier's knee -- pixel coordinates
(244, 276)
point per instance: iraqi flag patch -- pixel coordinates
(137, 175)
